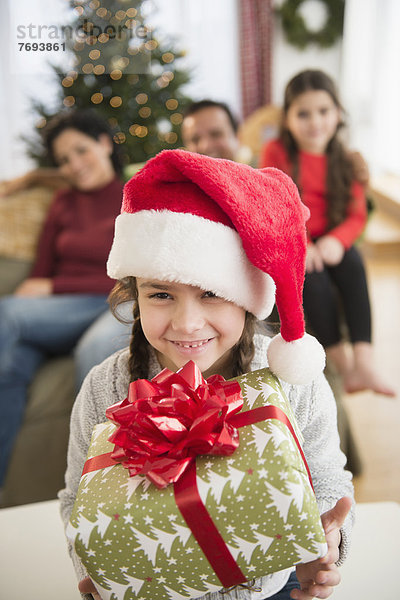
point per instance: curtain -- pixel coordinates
(255, 26)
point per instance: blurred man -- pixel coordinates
(209, 127)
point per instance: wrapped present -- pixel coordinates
(211, 489)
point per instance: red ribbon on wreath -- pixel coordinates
(164, 424)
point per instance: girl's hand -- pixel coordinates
(331, 250)
(314, 261)
(35, 287)
(317, 578)
(86, 586)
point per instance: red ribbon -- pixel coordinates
(102, 461)
(219, 434)
(165, 423)
(262, 413)
(208, 537)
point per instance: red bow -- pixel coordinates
(165, 423)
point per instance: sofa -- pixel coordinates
(36, 470)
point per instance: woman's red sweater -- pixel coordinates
(76, 239)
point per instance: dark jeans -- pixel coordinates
(347, 280)
(284, 593)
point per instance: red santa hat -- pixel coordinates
(228, 228)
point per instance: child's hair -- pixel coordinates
(125, 290)
(339, 167)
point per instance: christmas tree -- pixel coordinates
(121, 69)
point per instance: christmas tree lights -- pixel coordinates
(126, 74)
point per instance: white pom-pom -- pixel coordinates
(297, 362)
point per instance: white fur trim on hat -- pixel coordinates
(189, 249)
(296, 362)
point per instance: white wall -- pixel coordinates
(208, 31)
(23, 76)
(288, 60)
(370, 82)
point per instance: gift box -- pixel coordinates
(224, 521)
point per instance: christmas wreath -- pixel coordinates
(297, 32)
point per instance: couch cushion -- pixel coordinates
(12, 272)
(39, 458)
(52, 391)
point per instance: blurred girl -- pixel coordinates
(309, 149)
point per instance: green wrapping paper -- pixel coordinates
(135, 544)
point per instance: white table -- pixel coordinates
(34, 560)
(34, 563)
(371, 571)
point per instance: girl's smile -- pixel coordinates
(193, 345)
(183, 322)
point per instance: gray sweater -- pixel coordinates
(313, 405)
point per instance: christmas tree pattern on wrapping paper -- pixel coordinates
(133, 539)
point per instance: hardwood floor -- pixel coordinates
(375, 420)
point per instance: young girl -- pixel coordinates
(309, 149)
(200, 246)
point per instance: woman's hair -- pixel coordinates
(339, 166)
(125, 290)
(85, 121)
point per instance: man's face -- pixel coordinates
(209, 131)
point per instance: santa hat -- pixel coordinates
(228, 228)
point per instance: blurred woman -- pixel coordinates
(68, 287)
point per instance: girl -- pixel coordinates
(199, 246)
(309, 149)
(68, 287)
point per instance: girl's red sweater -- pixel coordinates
(312, 183)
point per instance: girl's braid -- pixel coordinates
(243, 351)
(139, 354)
(125, 290)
